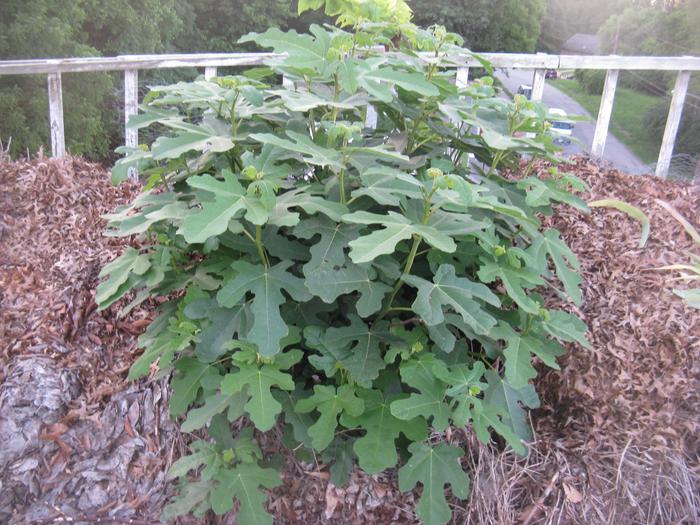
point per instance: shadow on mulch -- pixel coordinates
(617, 436)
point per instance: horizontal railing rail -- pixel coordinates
(539, 63)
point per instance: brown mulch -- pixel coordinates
(646, 356)
(80, 443)
(52, 250)
(628, 412)
(617, 436)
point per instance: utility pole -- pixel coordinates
(617, 36)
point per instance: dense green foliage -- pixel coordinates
(565, 18)
(688, 138)
(359, 283)
(93, 101)
(636, 27)
(486, 25)
(215, 26)
(353, 12)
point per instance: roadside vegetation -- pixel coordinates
(628, 117)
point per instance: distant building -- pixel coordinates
(581, 44)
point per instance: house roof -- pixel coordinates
(582, 44)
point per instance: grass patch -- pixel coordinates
(627, 117)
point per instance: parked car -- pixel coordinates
(525, 90)
(551, 74)
(561, 130)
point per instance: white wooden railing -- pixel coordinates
(539, 63)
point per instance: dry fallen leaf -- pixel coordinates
(573, 495)
(332, 500)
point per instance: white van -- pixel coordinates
(525, 90)
(561, 130)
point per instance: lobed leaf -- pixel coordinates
(434, 468)
(258, 380)
(329, 402)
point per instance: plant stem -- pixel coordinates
(496, 159)
(406, 270)
(341, 183)
(252, 239)
(411, 255)
(259, 246)
(411, 136)
(336, 92)
(165, 182)
(234, 126)
(412, 320)
(341, 174)
(528, 169)
(312, 123)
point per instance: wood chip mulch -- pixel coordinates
(79, 442)
(52, 250)
(628, 412)
(616, 437)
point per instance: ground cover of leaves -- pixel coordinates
(78, 441)
(617, 433)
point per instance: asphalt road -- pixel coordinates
(615, 152)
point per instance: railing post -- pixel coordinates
(209, 72)
(58, 138)
(538, 85)
(462, 78)
(371, 117)
(461, 81)
(604, 113)
(131, 106)
(672, 123)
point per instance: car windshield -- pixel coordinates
(558, 124)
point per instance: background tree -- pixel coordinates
(565, 18)
(486, 25)
(80, 28)
(46, 29)
(662, 29)
(216, 26)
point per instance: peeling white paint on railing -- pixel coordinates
(540, 62)
(462, 77)
(538, 84)
(672, 122)
(506, 60)
(131, 107)
(58, 139)
(604, 113)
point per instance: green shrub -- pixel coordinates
(688, 138)
(591, 80)
(361, 285)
